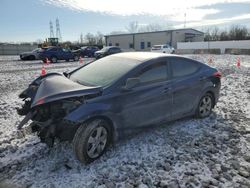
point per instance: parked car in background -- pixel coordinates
(107, 51)
(34, 54)
(57, 53)
(163, 48)
(96, 104)
(86, 51)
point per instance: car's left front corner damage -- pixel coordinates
(47, 111)
(48, 119)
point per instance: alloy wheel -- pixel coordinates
(205, 106)
(97, 142)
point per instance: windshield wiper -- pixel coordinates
(83, 83)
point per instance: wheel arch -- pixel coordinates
(213, 96)
(108, 120)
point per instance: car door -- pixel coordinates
(150, 101)
(111, 51)
(185, 85)
(60, 53)
(67, 54)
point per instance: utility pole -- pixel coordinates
(51, 29)
(58, 31)
(185, 19)
(81, 38)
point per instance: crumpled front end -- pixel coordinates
(50, 98)
(48, 119)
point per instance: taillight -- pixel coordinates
(217, 74)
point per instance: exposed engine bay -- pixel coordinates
(47, 112)
(46, 118)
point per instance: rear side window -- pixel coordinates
(114, 50)
(153, 73)
(183, 67)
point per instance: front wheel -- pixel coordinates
(91, 140)
(76, 58)
(205, 106)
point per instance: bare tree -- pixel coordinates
(154, 27)
(100, 38)
(90, 39)
(224, 35)
(238, 33)
(207, 35)
(132, 27)
(215, 34)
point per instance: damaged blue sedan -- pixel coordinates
(96, 104)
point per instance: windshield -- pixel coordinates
(104, 49)
(103, 71)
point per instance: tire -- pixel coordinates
(76, 58)
(205, 106)
(53, 59)
(32, 57)
(86, 140)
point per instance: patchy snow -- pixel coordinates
(214, 151)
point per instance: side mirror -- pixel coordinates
(130, 83)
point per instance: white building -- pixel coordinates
(144, 41)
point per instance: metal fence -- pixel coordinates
(15, 49)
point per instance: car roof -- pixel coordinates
(143, 56)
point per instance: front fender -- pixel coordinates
(87, 111)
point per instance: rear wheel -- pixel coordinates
(53, 59)
(91, 140)
(205, 106)
(76, 58)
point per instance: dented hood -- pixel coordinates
(58, 87)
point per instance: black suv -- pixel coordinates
(88, 51)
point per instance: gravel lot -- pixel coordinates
(210, 152)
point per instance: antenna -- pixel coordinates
(51, 29)
(185, 20)
(58, 32)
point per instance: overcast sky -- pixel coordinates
(28, 20)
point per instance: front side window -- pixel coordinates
(153, 73)
(65, 50)
(183, 67)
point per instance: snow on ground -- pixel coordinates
(210, 152)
